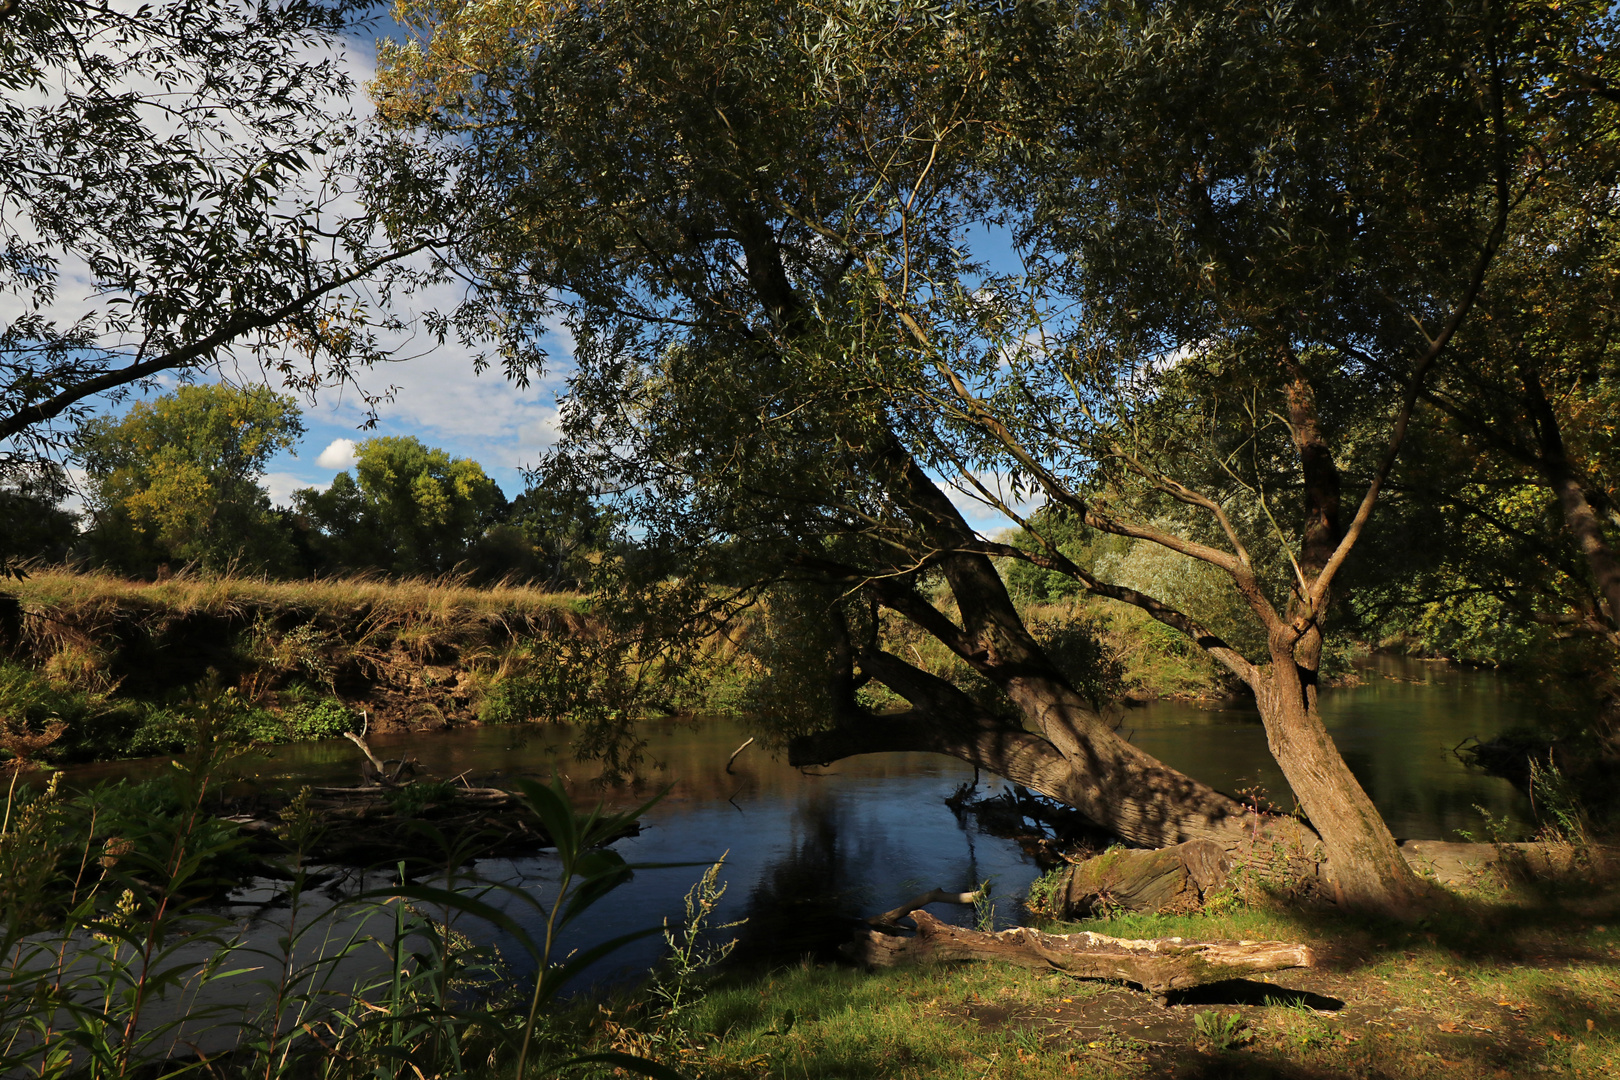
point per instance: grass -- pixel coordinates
(1486, 989)
(442, 599)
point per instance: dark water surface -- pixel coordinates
(806, 851)
(1396, 730)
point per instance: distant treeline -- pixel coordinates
(176, 482)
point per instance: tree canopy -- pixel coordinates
(408, 509)
(1250, 237)
(176, 480)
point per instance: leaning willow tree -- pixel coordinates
(757, 221)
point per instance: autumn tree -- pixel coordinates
(176, 480)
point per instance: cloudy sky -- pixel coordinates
(439, 399)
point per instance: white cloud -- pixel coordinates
(78, 479)
(281, 486)
(339, 455)
(981, 512)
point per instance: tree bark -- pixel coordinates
(1364, 866)
(1580, 517)
(1158, 965)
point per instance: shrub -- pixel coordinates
(324, 719)
(1048, 894)
(517, 699)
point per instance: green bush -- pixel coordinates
(324, 719)
(1048, 894)
(162, 730)
(96, 727)
(518, 699)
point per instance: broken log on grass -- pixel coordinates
(1158, 965)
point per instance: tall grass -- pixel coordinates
(442, 600)
(112, 967)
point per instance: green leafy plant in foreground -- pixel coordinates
(588, 871)
(107, 965)
(1222, 1031)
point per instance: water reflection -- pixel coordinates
(809, 851)
(1396, 732)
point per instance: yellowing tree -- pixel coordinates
(176, 480)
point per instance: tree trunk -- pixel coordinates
(1114, 784)
(1364, 866)
(1580, 518)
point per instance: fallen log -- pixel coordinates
(1158, 965)
(933, 896)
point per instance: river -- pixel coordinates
(808, 850)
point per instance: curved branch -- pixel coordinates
(233, 328)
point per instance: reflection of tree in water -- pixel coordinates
(802, 904)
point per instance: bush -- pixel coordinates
(324, 719)
(517, 699)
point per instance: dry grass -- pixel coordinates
(441, 600)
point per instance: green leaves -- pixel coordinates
(175, 479)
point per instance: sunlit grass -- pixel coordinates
(440, 599)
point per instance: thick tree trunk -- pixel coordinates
(1364, 866)
(1114, 784)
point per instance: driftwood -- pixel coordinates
(1159, 965)
(374, 770)
(932, 896)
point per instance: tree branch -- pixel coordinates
(233, 328)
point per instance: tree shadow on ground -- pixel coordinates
(1200, 1065)
(1250, 992)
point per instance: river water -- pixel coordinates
(808, 850)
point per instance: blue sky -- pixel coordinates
(440, 399)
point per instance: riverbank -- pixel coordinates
(95, 667)
(121, 668)
(811, 853)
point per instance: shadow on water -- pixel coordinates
(801, 905)
(808, 852)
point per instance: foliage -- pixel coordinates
(409, 509)
(413, 798)
(678, 984)
(324, 719)
(175, 479)
(559, 529)
(175, 181)
(101, 939)
(1048, 894)
(1222, 1031)
(37, 529)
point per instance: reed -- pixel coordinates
(112, 968)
